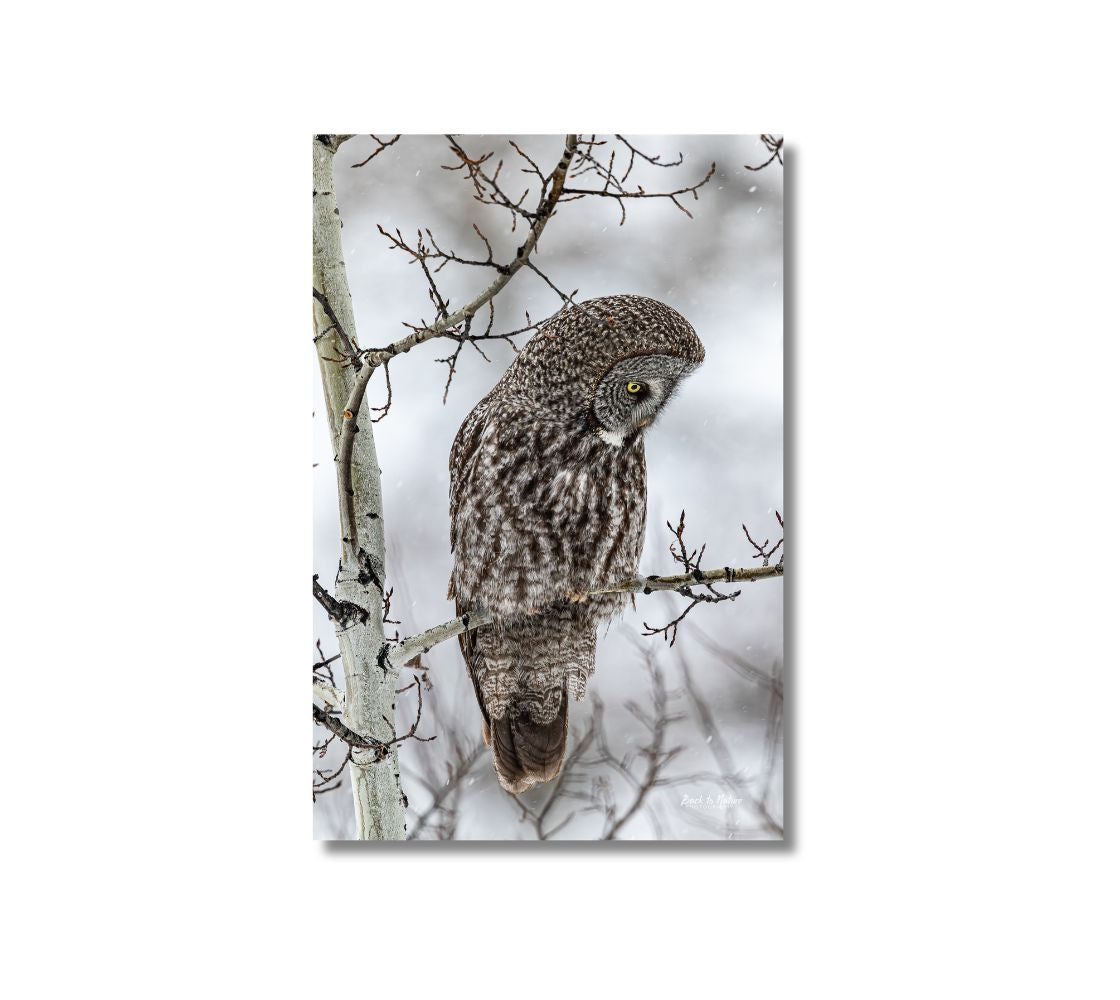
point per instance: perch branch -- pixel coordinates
(424, 641)
(726, 574)
(694, 574)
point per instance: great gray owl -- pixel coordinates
(548, 502)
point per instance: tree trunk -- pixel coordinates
(371, 680)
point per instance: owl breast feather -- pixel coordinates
(540, 510)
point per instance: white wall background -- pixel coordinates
(951, 215)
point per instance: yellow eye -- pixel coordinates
(633, 388)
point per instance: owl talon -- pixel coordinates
(575, 596)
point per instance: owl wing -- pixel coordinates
(508, 557)
(470, 474)
(506, 561)
(463, 451)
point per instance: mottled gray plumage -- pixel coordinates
(548, 501)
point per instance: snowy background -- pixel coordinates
(717, 453)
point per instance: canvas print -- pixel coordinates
(549, 543)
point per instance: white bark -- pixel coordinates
(379, 805)
(419, 644)
(726, 574)
(328, 694)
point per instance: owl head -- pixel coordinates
(632, 394)
(610, 364)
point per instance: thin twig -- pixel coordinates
(381, 147)
(775, 146)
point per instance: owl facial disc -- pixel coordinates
(634, 392)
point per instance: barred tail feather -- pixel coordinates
(525, 753)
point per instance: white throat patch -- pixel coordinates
(613, 438)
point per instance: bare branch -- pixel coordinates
(693, 574)
(347, 340)
(761, 551)
(547, 205)
(381, 147)
(775, 146)
(374, 358)
(655, 755)
(386, 605)
(358, 742)
(720, 752)
(561, 787)
(449, 788)
(342, 612)
(726, 574)
(466, 337)
(614, 187)
(329, 694)
(321, 669)
(328, 781)
(653, 160)
(424, 641)
(341, 730)
(568, 300)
